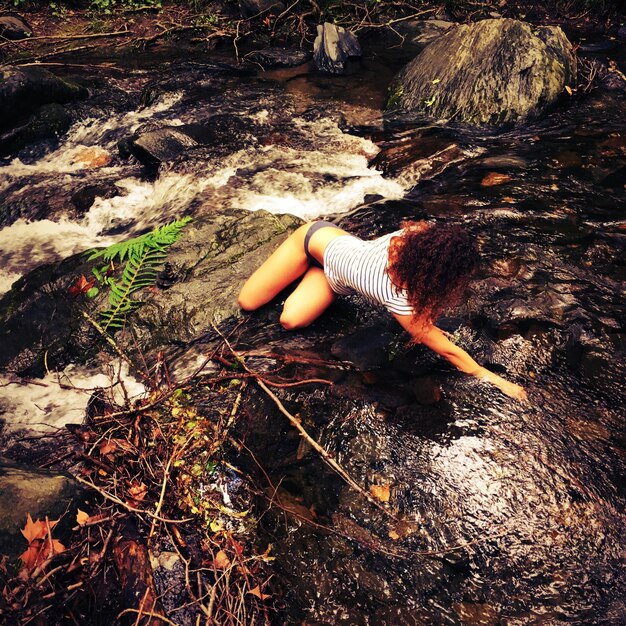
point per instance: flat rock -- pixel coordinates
(208, 266)
(366, 348)
(280, 57)
(31, 492)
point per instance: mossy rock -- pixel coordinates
(23, 90)
(491, 72)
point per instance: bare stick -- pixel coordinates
(132, 509)
(313, 443)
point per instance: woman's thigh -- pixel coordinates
(308, 301)
(287, 263)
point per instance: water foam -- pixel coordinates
(61, 398)
(326, 172)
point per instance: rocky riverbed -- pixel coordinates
(496, 512)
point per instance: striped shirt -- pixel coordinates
(352, 265)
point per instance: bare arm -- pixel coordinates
(435, 339)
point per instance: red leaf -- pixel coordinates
(82, 285)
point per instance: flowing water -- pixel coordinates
(502, 513)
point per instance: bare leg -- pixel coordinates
(308, 301)
(286, 264)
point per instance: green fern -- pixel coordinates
(144, 256)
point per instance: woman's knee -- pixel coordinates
(289, 322)
(291, 319)
(246, 301)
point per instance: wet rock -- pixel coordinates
(84, 198)
(503, 162)
(23, 90)
(213, 259)
(252, 8)
(334, 46)
(426, 421)
(506, 268)
(48, 123)
(223, 134)
(426, 390)
(396, 615)
(421, 32)
(216, 255)
(367, 581)
(35, 492)
(597, 46)
(616, 180)
(489, 72)
(91, 157)
(483, 614)
(14, 27)
(158, 146)
(366, 348)
(38, 315)
(279, 57)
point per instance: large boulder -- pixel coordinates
(334, 46)
(24, 90)
(213, 259)
(491, 72)
(206, 269)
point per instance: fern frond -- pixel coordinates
(144, 256)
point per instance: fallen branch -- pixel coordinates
(326, 456)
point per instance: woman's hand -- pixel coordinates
(510, 389)
(438, 341)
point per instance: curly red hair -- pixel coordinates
(434, 263)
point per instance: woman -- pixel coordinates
(414, 273)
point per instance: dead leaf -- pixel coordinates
(495, 178)
(138, 491)
(40, 545)
(381, 492)
(36, 530)
(82, 285)
(221, 560)
(393, 535)
(107, 447)
(568, 89)
(81, 517)
(257, 592)
(508, 200)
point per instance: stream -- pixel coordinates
(502, 513)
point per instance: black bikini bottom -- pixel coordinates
(309, 233)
